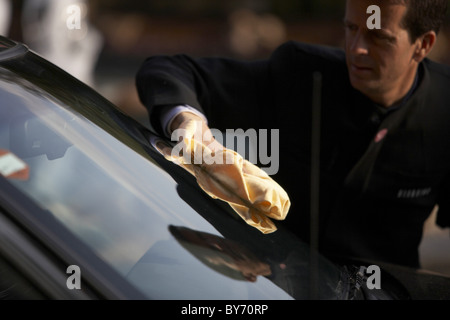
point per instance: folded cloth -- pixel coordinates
(224, 174)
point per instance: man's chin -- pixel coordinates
(365, 86)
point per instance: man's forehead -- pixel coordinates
(392, 11)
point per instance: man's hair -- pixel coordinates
(423, 16)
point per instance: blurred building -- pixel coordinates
(5, 17)
(60, 31)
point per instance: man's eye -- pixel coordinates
(380, 36)
(351, 27)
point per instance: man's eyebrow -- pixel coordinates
(384, 33)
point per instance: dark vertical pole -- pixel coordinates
(15, 31)
(315, 184)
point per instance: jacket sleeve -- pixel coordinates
(232, 94)
(443, 215)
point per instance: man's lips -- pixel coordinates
(360, 68)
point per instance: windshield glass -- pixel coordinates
(160, 232)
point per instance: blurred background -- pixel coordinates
(104, 42)
(109, 40)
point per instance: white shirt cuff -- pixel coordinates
(168, 116)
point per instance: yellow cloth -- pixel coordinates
(251, 192)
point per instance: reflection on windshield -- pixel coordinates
(225, 256)
(112, 198)
(189, 269)
(98, 187)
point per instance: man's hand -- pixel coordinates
(226, 175)
(190, 125)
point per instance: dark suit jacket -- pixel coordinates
(375, 193)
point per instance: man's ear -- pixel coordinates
(424, 45)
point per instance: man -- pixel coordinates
(385, 138)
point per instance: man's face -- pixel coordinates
(380, 61)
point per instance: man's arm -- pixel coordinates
(231, 94)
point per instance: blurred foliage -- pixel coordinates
(216, 8)
(206, 27)
(286, 9)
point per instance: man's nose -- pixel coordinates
(359, 44)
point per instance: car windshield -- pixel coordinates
(77, 159)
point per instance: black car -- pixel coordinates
(89, 209)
